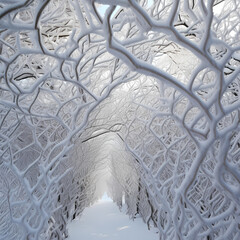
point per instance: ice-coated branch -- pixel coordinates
(146, 89)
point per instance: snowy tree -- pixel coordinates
(158, 79)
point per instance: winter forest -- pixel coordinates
(139, 98)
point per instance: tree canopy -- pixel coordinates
(147, 90)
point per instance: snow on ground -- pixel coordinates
(103, 221)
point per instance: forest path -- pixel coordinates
(103, 221)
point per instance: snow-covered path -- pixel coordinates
(103, 220)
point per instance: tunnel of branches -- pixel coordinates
(138, 98)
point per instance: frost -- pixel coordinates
(139, 97)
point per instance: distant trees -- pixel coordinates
(161, 77)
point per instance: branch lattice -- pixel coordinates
(161, 77)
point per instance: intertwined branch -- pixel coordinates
(158, 77)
